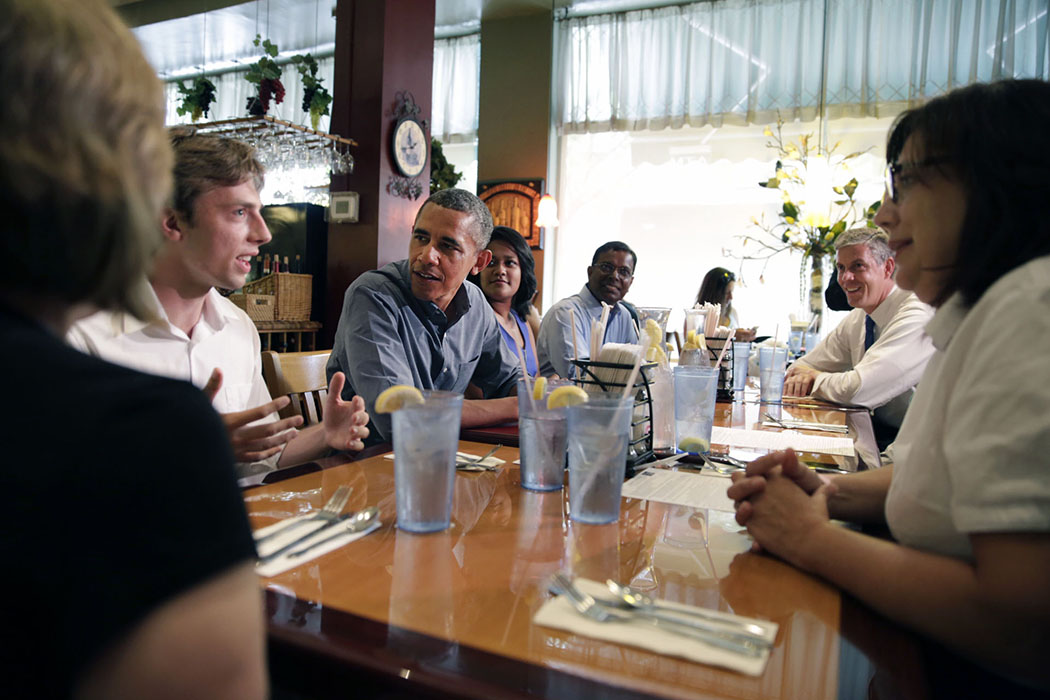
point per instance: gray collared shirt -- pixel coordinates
(386, 336)
(554, 343)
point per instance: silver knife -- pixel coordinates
(354, 527)
(299, 540)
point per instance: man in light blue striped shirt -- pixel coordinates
(609, 278)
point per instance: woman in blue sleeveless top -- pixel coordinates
(509, 283)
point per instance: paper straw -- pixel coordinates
(633, 376)
(525, 376)
(726, 344)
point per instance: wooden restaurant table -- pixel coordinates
(397, 614)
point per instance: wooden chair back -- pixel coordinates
(300, 376)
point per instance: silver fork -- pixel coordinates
(331, 509)
(476, 463)
(598, 611)
(723, 470)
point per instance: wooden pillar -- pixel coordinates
(382, 47)
(514, 111)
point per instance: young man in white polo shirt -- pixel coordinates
(212, 231)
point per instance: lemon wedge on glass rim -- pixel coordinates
(566, 396)
(398, 396)
(695, 445)
(539, 386)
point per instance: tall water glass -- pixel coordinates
(426, 437)
(771, 369)
(598, 436)
(695, 319)
(695, 391)
(741, 356)
(542, 434)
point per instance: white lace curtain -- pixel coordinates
(457, 70)
(454, 100)
(743, 61)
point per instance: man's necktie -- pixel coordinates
(869, 332)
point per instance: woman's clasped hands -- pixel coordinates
(783, 503)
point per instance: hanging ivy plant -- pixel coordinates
(196, 99)
(316, 97)
(265, 74)
(442, 174)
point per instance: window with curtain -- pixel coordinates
(743, 61)
(682, 196)
(454, 103)
(454, 98)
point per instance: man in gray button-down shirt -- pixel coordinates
(418, 322)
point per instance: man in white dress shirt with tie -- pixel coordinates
(877, 354)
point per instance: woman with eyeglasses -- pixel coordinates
(967, 498)
(509, 284)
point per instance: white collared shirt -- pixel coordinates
(884, 376)
(973, 455)
(224, 337)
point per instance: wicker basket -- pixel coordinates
(292, 294)
(259, 307)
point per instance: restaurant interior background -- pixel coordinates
(659, 111)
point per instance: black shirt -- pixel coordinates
(118, 494)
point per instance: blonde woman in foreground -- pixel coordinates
(130, 556)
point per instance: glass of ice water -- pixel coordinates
(598, 437)
(542, 435)
(426, 437)
(695, 390)
(741, 357)
(771, 368)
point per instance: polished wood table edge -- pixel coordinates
(336, 460)
(474, 673)
(503, 434)
(442, 665)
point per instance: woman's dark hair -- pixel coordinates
(713, 288)
(527, 289)
(995, 140)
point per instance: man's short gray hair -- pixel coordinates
(875, 238)
(468, 203)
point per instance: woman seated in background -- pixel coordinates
(134, 557)
(509, 283)
(967, 498)
(717, 288)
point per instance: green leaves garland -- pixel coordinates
(265, 74)
(316, 97)
(196, 99)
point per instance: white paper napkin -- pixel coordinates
(558, 612)
(464, 458)
(284, 562)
